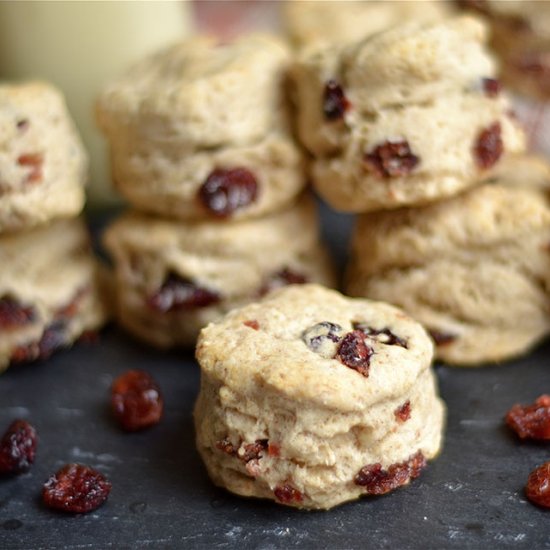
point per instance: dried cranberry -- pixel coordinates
(14, 314)
(228, 190)
(354, 352)
(442, 338)
(392, 159)
(33, 161)
(252, 323)
(378, 481)
(531, 421)
(323, 337)
(252, 451)
(403, 413)
(489, 146)
(273, 449)
(491, 87)
(335, 103)
(177, 293)
(537, 489)
(76, 488)
(384, 335)
(226, 446)
(17, 448)
(53, 338)
(136, 400)
(287, 494)
(282, 278)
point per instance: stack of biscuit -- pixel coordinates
(48, 282)
(201, 148)
(411, 129)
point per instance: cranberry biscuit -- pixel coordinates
(49, 291)
(312, 399)
(405, 117)
(42, 162)
(474, 269)
(174, 278)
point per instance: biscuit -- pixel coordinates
(43, 164)
(199, 94)
(175, 278)
(312, 399)
(474, 269)
(233, 182)
(49, 292)
(405, 117)
(314, 23)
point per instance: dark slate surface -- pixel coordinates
(471, 497)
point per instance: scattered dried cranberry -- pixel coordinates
(252, 451)
(282, 278)
(14, 314)
(531, 421)
(322, 337)
(53, 338)
(489, 146)
(35, 162)
(537, 489)
(76, 488)
(136, 400)
(491, 87)
(403, 413)
(355, 353)
(177, 293)
(17, 448)
(384, 335)
(392, 159)
(442, 338)
(378, 481)
(287, 494)
(252, 323)
(335, 103)
(227, 190)
(226, 446)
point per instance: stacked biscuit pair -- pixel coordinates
(202, 149)
(411, 129)
(48, 282)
